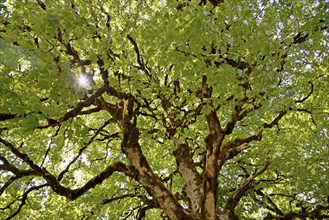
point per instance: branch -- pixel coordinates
(54, 183)
(142, 211)
(205, 91)
(115, 198)
(76, 59)
(238, 145)
(16, 177)
(90, 111)
(187, 170)
(89, 101)
(214, 2)
(182, 4)
(309, 112)
(24, 198)
(249, 183)
(5, 116)
(239, 141)
(276, 120)
(211, 168)
(235, 116)
(61, 175)
(308, 95)
(107, 172)
(300, 37)
(42, 4)
(271, 206)
(248, 110)
(18, 173)
(77, 110)
(238, 64)
(144, 174)
(140, 60)
(282, 113)
(315, 213)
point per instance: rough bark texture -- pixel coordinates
(211, 170)
(146, 177)
(186, 168)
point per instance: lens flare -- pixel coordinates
(83, 81)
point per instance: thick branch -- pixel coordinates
(211, 168)
(145, 176)
(4, 116)
(187, 170)
(238, 145)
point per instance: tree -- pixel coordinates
(164, 109)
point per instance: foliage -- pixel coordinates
(164, 109)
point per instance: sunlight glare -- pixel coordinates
(83, 81)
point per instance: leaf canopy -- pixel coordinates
(164, 109)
